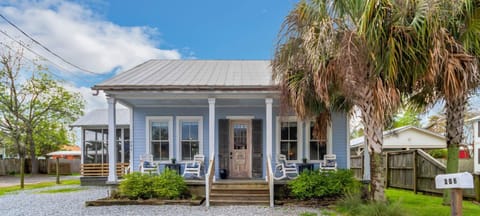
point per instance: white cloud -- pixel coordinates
(77, 34)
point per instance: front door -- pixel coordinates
(240, 148)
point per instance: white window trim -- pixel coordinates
(307, 141)
(299, 136)
(148, 149)
(199, 119)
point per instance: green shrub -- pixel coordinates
(168, 185)
(311, 185)
(136, 186)
(353, 205)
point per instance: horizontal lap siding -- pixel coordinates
(339, 129)
(340, 138)
(139, 130)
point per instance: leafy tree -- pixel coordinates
(404, 117)
(29, 100)
(49, 104)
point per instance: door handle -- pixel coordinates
(230, 153)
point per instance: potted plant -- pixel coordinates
(173, 160)
(304, 160)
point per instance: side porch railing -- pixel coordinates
(209, 179)
(269, 179)
(101, 169)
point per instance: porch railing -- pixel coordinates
(209, 179)
(269, 179)
(101, 169)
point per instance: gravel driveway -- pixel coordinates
(30, 202)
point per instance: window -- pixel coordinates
(95, 145)
(159, 135)
(289, 136)
(318, 148)
(123, 145)
(189, 137)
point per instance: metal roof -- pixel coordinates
(194, 75)
(99, 117)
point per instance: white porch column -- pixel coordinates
(211, 132)
(211, 126)
(268, 103)
(112, 146)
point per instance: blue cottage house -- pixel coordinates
(227, 110)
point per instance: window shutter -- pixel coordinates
(223, 139)
(257, 148)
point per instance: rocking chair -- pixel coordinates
(287, 170)
(194, 168)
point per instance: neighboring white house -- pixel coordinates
(404, 138)
(472, 136)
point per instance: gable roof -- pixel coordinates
(99, 117)
(194, 75)
(397, 131)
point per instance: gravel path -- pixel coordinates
(30, 202)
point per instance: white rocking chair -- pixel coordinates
(147, 165)
(287, 170)
(329, 163)
(195, 167)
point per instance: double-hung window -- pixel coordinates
(160, 132)
(190, 137)
(317, 147)
(289, 137)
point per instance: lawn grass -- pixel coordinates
(61, 190)
(9, 189)
(418, 204)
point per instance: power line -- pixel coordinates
(32, 61)
(39, 55)
(46, 48)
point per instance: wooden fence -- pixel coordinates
(12, 166)
(411, 169)
(101, 169)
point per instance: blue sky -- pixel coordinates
(107, 37)
(209, 29)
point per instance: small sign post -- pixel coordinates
(456, 182)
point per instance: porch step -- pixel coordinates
(239, 193)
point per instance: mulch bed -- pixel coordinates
(112, 202)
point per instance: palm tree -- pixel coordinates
(364, 51)
(452, 75)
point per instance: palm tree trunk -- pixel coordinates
(373, 127)
(455, 110)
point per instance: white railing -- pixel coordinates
(209, 178)
(270, 180)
